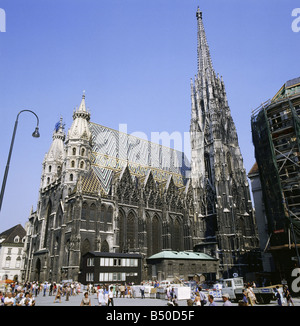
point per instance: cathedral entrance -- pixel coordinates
(37, 271)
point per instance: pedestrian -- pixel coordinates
(203, 297)
(226, 301)
(32, 299)
(244, 301)
(278, 296)
(117, 290)
(197, 300)
(106, 295)
(68, 292)
(86, 301)
(50, 289)
(45, 289)
(142, 289)
(287, 295)
(211, 300)
(111, 296)
(26, 300)
(250, 295)
(101, 300)
(9, 300)
(58, 295)
(168, 293)
(122, 290)
(19, 297)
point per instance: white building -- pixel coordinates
(11, 252)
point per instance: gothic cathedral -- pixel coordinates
(105, 191)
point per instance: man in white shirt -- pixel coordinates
(9, 300)
(26, 301)
(225, 298)
(111, 296)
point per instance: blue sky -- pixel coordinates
(134, 59)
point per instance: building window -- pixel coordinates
(18, 262)
(93, 212)
(81, 165)
(89, 277)
(7, 262)
(90, 262)
(74, 151)
(181, 270)
(110, 277)
(102, 213)
(117, 262)
(72, 164)
(17, 239)
(109, 215)
(71, 177)
(84, 211)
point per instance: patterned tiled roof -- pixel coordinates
(113, 150)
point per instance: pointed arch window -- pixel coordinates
(86, 247)
(72, 164)
(109, 215)
(74, 151)
(156, 235)
(84, 211)
(102, 214)
(121, 219)
(71, 177)
(82, 165)
(130, 231)
(176, 235)
(93, 212)
(104, 246)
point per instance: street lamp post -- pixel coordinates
(35, 134)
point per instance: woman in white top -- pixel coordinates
(101, 299)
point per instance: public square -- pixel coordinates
(118, 302)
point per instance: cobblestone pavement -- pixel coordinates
(75, 301)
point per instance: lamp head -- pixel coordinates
(36, 133)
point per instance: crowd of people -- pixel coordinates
(18, 294)
(281, 293)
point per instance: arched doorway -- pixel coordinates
(37, 270)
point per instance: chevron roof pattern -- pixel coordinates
(112, 150)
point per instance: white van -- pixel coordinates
(231, 284)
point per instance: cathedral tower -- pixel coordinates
(224, 217)
(78, 146)
(53, 161)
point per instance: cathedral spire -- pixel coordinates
(204, 59)
(82, 107)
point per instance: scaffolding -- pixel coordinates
(276, 138)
